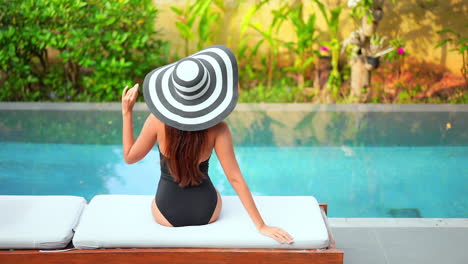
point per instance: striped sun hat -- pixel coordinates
(196, 92)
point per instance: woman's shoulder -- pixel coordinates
(220, 130)
(221, 127)
(154, 120)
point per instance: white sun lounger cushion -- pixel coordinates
(126, 221)
(38, 221)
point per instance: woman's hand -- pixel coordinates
(129, 97)
(276, 233)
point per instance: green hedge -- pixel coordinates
(100, 46)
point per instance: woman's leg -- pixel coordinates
(158, 216)
(217, 210)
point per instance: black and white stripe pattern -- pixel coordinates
(196, 92)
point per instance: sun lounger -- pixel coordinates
(38, 221)
(125, 221)
(121, 229)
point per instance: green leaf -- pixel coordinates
(246, 20)
(443, 42)
(462, 41)
(198, 11)
(184, 30)
(220, 5)
(177, 10)
(447, 31)
(255, 48)
(463, 49)
(308, 61)
(322, 10)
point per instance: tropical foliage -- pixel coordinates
(201, 14)
(88, 50)
(76, 49)
(460, 45)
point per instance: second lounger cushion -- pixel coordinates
(38, 221)
(126, 221)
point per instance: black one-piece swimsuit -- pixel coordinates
(189, 205)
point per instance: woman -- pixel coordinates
(188, 101)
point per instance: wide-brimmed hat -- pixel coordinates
(195, 92)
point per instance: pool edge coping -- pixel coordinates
(241, 107)
(382, 222)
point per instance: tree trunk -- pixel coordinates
(360, 70)
(270, 70)
(360, 77)
(317, 77)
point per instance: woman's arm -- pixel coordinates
(135, 151)
(225, 152)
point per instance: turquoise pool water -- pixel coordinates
(413, 165)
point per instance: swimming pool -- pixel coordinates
(364, 161)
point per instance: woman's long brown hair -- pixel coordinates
(183, 151)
